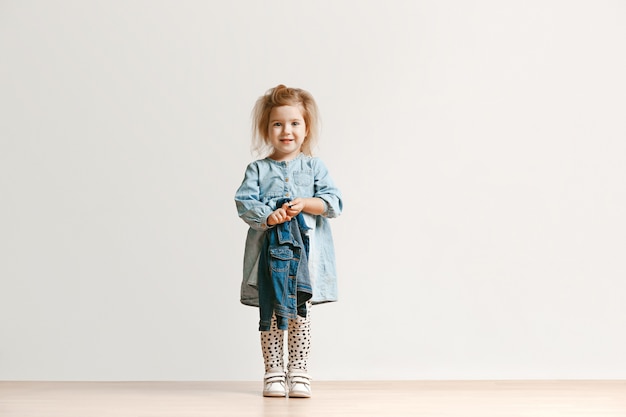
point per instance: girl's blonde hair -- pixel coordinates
(283, 96)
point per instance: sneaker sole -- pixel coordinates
(299, 395)
(274, 394)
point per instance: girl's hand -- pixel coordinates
(294, 207)
(313, 205)
(278, 216)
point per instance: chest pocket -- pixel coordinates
(303, 178)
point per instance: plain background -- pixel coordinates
(480, 146)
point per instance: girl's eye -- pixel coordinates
(277, 124)
(296, 123)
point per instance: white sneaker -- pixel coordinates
(274, 385)
(299, 385)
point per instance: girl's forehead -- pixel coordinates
(287, 112)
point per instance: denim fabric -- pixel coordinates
(284, 284)
(266, 182)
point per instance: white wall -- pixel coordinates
(480, 146)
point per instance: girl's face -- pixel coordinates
(286, 132)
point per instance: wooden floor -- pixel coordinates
(393, 398)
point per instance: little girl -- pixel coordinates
(295, 260)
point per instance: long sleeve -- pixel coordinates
(248, 200)
(326, 189)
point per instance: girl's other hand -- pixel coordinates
(294, 207)
(278, 216)
(314, 205)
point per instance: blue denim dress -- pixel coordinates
(266, 182)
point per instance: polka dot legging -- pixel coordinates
(298, 343)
